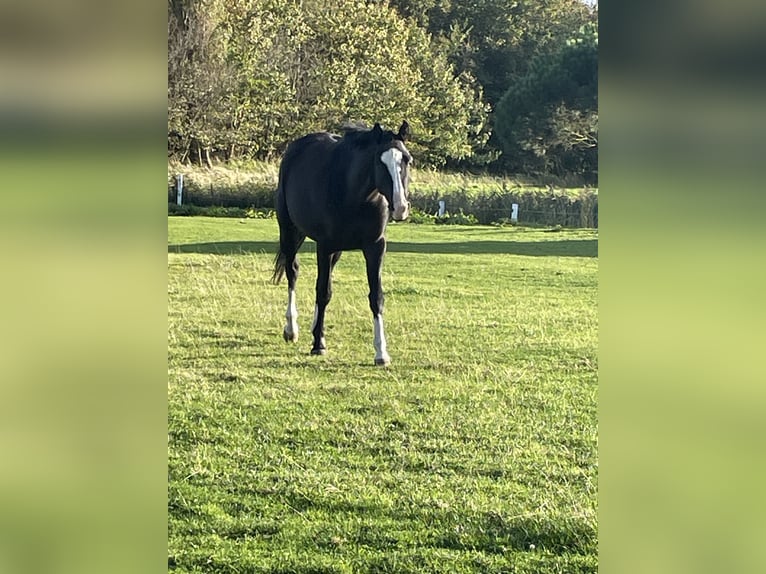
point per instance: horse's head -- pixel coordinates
(392, 169)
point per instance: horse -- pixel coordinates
(340, 192)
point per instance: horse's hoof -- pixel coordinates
(319, 348)
(382, 362)
(289, 337)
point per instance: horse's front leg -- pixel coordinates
(373, 255)
(326, 261)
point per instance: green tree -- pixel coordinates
(254, 74)
(201, 83)
(495, 40)
(548, 120)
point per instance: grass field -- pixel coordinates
(475, 451)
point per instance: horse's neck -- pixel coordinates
(353, 187)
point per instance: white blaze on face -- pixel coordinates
(379, 340)
(392, 158)
(291, 327)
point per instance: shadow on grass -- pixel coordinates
(495, 535)
(557, 248)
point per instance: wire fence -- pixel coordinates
(536, 208)
(576, 209)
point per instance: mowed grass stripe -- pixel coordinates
(474, 452)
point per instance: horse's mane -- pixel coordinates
(359, 135)
(356, 139)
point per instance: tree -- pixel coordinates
(548, 120)
(200, 81)
(257, 73)
(495, 40)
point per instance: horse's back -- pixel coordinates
(304, 181)
(311, 146)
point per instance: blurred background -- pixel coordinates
(82, 307)
(681, 283)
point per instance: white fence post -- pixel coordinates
(179, 188)
(442, 207)
(514, 212)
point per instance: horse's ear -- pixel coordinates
(377, 132)
(404, 131)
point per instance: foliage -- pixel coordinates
(548, 121)
(201, 80)
(458, 218)
(219, 211)
(253, 213)
(208, 211)
(247, 76)
(418, 217)
(496, 39)
(272, 71)
(476, 451)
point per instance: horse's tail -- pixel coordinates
(280, 262)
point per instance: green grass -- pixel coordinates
(475, 451)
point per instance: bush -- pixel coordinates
(418, 216)
(261, 213)
(208, 211)
(459, 218)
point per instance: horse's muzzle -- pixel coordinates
(402, 213)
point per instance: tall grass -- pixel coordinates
(488, 198)
(242, 185)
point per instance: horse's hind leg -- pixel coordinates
(290, 240)
(373, 256)
(325, 264)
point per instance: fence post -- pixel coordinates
(442, 207)
(179, 188)
(514, 212)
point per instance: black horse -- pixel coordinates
(339, 191)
